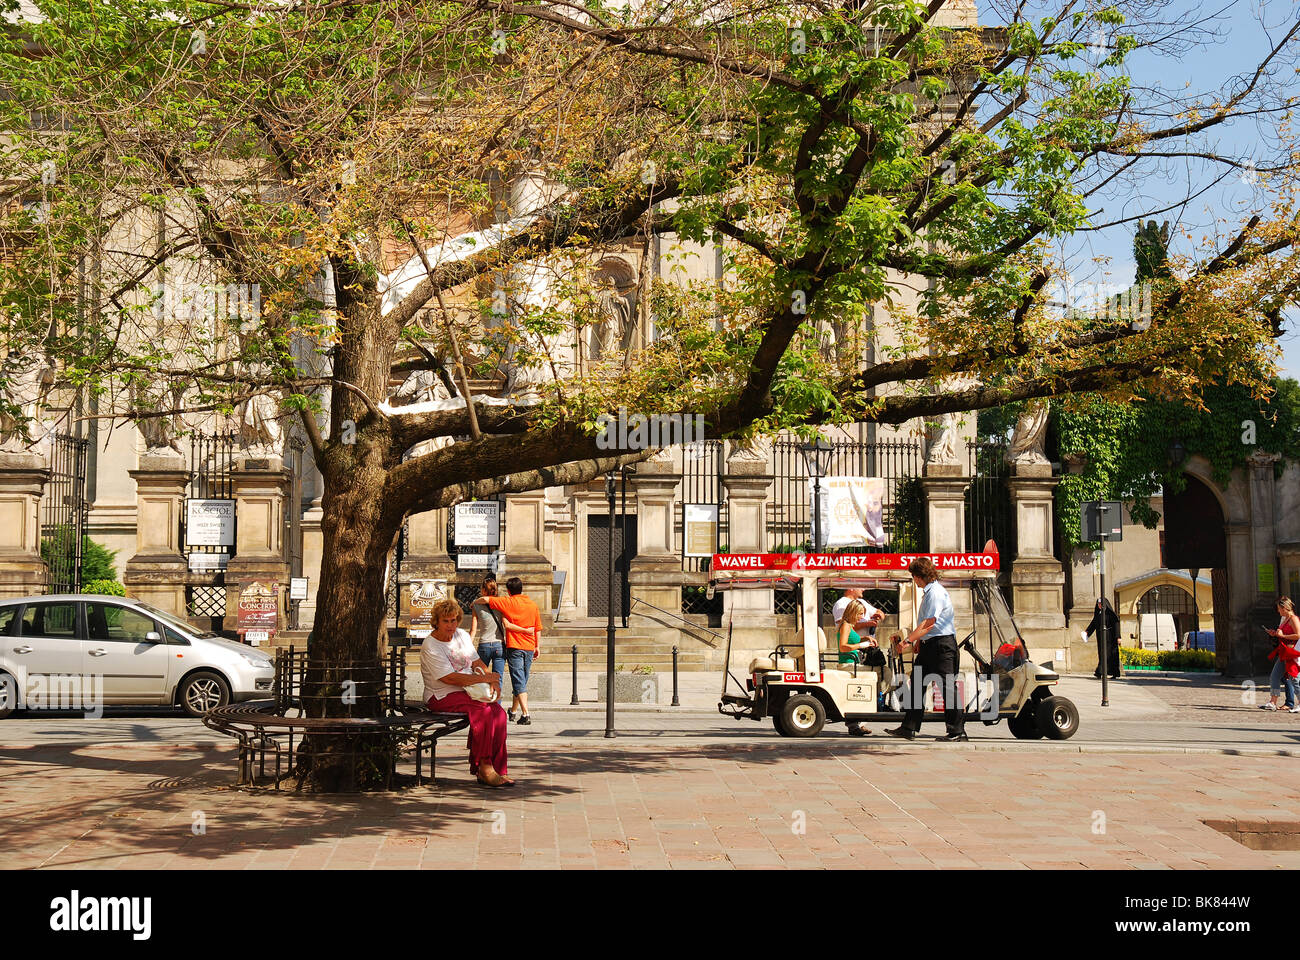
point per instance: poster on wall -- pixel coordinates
(700, 529)
(478, 524)
(424, 595)
(210, 523)
(851, 511)
(259, 611)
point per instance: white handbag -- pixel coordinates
(482, 692)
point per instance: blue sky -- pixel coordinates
(1244, 31)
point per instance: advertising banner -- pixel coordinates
(424, 594)
(851, 511)
(259, 611)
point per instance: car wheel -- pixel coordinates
(1058, 718)
(1024, 725)
(204, 691)
(803, 716)
(8, 694)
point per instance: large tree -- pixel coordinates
(351, 162)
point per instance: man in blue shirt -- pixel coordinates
(935, 643)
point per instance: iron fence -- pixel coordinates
(988, 497)
(63, 514)
(897, 462)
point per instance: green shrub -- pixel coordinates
(1168, 659)
(108, 588)
(96, 559)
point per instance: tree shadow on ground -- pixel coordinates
(85, 818)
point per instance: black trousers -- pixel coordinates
(937, 656)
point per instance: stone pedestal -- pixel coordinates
(945, 514)
(655, 574)
(1037, 578)
(945, 506)
(524, 548)
(22, 481)
(261, 494)
(748, 486)
(563, 528)
(158, 572)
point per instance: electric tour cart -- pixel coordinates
(802, 686)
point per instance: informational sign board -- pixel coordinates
(851, 511)
(424, 595)
(480, 561)
(1101, 520)
(297, 588)
(700, 526)
(258, 614)
(210, 523)
(208, 562)
(478, 524)
(1267, 579)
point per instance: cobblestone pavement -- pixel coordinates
(1207, 698)
(625, 803)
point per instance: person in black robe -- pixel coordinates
(1112, 637)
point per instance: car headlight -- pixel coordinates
(257, 661)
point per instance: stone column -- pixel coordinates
(261, 493)
(524, 548)
(158, 572)
(564, 548)
(945, 506)
(1037, 578)
(1083, 589)
(313, 550)
(22, 481)
(748, 486)
(945, 514)
(655, 575)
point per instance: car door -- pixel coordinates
(125, 648)
(49, 646)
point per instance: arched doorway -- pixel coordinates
(1196, 539)
(1167, 610)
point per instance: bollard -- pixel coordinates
(675, 702)
(573, 701)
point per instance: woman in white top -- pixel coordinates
(448, 664)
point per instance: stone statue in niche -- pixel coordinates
(30, 378)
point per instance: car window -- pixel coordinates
(174, 638)
(8, 621)
(50, 620)
(106, 621)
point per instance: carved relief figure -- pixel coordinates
(943, 446)
(1030, 435)
(29, 380)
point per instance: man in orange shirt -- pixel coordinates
(523, 623)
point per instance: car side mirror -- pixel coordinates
(153, 636)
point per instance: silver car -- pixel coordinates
(79, 651)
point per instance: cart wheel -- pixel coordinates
(778, 726)
(1058, 718)
(1024, 725)
(802, 716)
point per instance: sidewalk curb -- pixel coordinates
(859, 746)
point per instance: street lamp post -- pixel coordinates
(817, 455)
(1196, 609)
(609, 626)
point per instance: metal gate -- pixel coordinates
(988, 497)
(599, 589)
(63, 513)
(212, 459)
(702, 468)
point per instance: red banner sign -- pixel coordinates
(962, 562)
